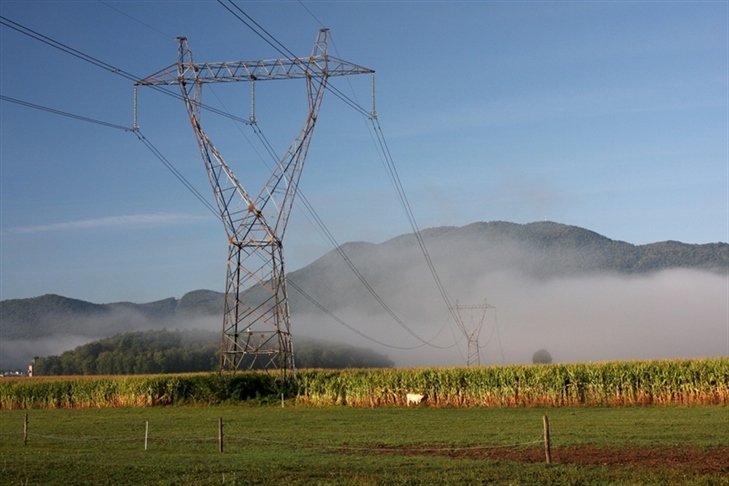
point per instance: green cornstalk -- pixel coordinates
(662, 382)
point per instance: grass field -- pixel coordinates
(299, 445)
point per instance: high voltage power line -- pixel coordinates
(137, 132)
(383, 150)
(283, 50)
(205, 202)
(213, 210)
(101, 64)
(64, 113)
(327, 235)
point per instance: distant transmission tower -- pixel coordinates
(472, 327)
(256, 322)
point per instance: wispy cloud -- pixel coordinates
(111, 222)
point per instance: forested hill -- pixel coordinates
(559, 249)
(465, 255)
(54, 314)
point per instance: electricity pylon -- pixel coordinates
(472, 328)
(256, 330)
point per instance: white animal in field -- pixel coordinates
(414, 398)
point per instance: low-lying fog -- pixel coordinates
(670, 314)
(18, 353)
(581, 317)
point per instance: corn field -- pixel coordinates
(135, 390)
(687, 382)
(669, 382)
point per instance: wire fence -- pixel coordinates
(146, 441)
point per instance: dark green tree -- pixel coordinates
(542, 357)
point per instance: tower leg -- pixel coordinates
(256, 325)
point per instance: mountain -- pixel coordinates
(462, 256)
(50, 324)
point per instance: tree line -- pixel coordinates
(163, 351)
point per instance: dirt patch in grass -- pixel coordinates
(709, 460)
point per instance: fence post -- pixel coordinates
(146, 434)
(547, 444)
(25, 430)
(220, 434)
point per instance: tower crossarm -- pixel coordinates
(226, 72)
(471, 307)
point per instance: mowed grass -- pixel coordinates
(299, 445)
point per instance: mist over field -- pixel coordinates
(670, 314)
(17, 352)
(577, 294)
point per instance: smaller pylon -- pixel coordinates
(472, 328)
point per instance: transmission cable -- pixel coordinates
(362, 279)
(64, 113)
(327, 235)
(386, 157)
(177, 174)
(337, 247)
(108, 67)
(310, 13)
(287, 53)
(343, 323)
(101, 64)
(391, 170)
(136, 20)
(137, 132)
(413, 223)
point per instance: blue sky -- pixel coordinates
(606, 115)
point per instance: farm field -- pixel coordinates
(661, 382)
(391, 445)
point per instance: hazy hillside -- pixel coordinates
(524, 270)
(50, 324)
(578, 294)
(463, 255)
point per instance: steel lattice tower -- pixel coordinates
(256, 322)
(472, 329)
